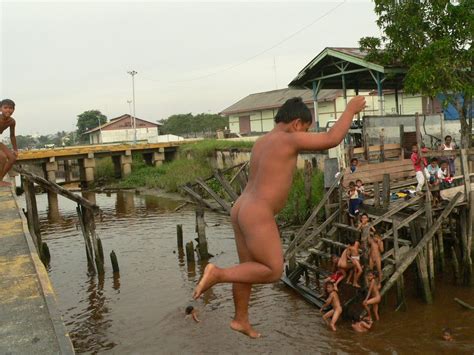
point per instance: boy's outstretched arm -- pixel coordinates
(330, 139)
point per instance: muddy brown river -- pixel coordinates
(142, 312)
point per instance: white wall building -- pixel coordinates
(120, 129)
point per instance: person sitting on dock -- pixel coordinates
(373, 295)
(445, 180)
(375, 255)
(7, 157)
(354, 164)
(336, 311)
(361, 324)
(449, 145)
(433, 170)
(272, 166)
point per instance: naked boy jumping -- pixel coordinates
(272, 165)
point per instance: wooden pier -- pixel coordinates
(30, 319)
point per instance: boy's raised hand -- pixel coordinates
(356, 105)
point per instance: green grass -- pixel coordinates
(296, 209)
(104, 170)
(181, 170)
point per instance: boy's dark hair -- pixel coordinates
(354, 159)
(358, 180)
(434, 160)
(443, 162)
(352, 184)
(189, 309)
(364, 214)
(448, 136)
(414, 145)
(292, 109)
(447, 330)
(7, 102)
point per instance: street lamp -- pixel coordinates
(101, 140)
(133, 73)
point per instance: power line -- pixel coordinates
(261, 52)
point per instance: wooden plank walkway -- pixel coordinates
(30, 320)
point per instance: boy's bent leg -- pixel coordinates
(11, 158)
(335, 317)
(241, 291)
(263, 243)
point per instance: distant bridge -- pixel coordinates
(121, 154)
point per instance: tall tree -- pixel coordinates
(433, 40)
(88, 120)
(188, 123)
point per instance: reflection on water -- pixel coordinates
(142, 310)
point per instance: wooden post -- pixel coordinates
(201, 231)
(365, 138)
(90, 223)
(376, 194)
(466, 252)
(179, 235)
(308, 174)
(113, 259)
(396, 255)
(381, 149)
(87, 241)
(402, 142)
(454, 259)
(386, 191)
(421, 265)
(32, 215)
(441, 262)
(100, 249)
(190, 252)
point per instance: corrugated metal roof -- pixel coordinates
(275, 99)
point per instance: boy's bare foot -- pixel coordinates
(245, 328)
(356, 285)
(333, 327)
(5, 183)
(208, 280)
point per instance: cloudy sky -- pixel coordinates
(59, 59)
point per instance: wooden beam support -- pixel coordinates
(413, 253)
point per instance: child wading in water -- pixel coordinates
(7, 157)
(335, 303)
(272, 165)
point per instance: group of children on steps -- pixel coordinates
(348, 266)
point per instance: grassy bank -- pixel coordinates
(182, 170)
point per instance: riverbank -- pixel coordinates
(198, 160)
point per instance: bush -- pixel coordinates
(104, 169)
(296, 209)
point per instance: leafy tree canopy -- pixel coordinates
(88, 120)
(433, 40)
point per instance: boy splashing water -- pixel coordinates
(7, 157)
(272, 165)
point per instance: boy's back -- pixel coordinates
(272, 166)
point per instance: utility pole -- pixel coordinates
(133, 73)
(101, 140)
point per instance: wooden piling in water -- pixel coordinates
(201, 232)
(441, 261)
(401, 304)
(454, 259)
(114, 261)
(421, 265)
(190, 252)
(386, 190)
(179, 235)
(308, 188)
